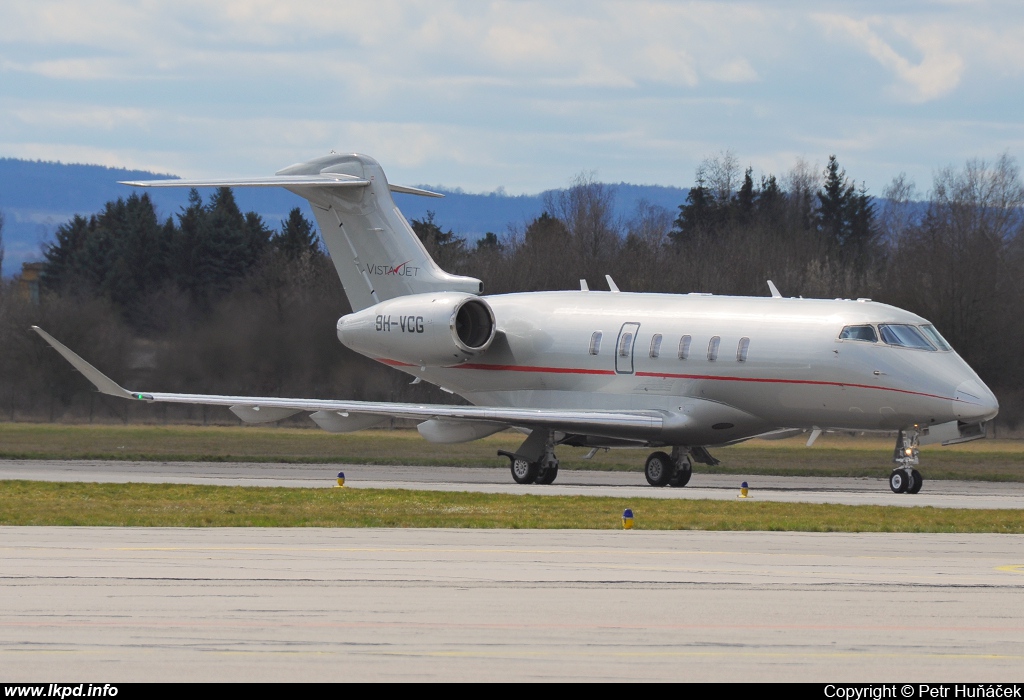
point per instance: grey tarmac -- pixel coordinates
(847, 491)
(307, 604)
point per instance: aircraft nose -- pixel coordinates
(973, 402)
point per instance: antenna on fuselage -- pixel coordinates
(584, 287)
(774, 290)
(612, 287)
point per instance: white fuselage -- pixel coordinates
(795, 372)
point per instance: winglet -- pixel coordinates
(774, 290)
(104, 383)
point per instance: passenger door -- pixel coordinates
(624, 348)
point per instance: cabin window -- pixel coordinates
(741, 349)
(625, 344)
(656, 345)
(713, 348)
(866, 333)
(595, 342)
(933, 335)
(904, 336)
(684, 347)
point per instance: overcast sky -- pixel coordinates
(523, 95)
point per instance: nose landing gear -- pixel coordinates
(904, 478)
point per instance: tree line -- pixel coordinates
(213, 300)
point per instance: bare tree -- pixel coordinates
(898, 215)
(962, 266)
(586, 209)
(720, 175)
(642, 262)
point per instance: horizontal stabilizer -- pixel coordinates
(322, 180)
(335, 180)
(413, 190)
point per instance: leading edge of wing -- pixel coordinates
(596, 422)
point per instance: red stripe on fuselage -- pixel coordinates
(528, 368)
(667, 375)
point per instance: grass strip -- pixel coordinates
(180, 505)
(832, 455)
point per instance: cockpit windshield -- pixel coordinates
(865, 332)
(905, 336)
(933, 335)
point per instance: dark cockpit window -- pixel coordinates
(859, 333)
(904, 336)
(933, 335)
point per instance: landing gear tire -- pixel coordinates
(899, 481)
(523, 471)
(684, 470)
(547, 476)
(658, 469)
(917, 481)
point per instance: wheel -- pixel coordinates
(916, 483)
(524, 472)
(898, 481)
(547, 476)
(658, 469)
(684, 470)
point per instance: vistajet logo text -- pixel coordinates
(400, 270)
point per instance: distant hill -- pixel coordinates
(38, 196)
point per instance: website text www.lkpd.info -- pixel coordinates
(61, 690)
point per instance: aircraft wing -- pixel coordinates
(604, 423)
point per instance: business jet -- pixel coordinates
(603, 369)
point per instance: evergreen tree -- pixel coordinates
(215, 244)
(696, 216)
(546, 231)
(447, 249)
(846, 217)
(834, 201)
(489, 243)
(128, 250)
(297, 237)
(745, 197)
(63, 258)
(863, 233)
(769, 199)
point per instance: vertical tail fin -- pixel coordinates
(375, 251)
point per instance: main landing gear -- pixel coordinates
(665, 470)
(905, 478)
(534, 462)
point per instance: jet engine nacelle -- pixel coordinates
(438, 329)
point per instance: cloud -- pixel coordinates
(515, 92)
(735, 71)
(938, 72)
